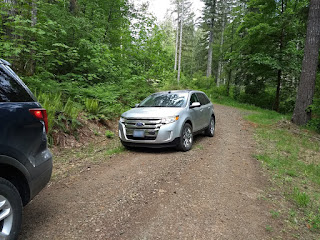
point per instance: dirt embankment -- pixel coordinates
(214, 191)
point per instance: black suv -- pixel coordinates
(25, 160)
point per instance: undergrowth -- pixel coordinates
(62, 114)
(292, 156)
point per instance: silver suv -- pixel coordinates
(168, 118)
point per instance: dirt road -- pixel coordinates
(213, 191)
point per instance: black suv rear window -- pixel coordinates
(11, 90)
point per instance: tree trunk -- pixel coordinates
(229, 80)
(277, 100)
(73, 6)
(180, 45)
(34, 13)
(220, 67)
(11, 10)
(209, 64)
(230, 63)
(302, 113)
(177, 44)
(279, 78)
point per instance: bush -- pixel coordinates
(61, 115)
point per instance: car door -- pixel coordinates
(205, 109)
(195, 113)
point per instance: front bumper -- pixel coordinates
(166, 134)
(174, 143)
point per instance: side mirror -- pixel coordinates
(137, 105)
(195, 104)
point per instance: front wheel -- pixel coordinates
(10, 211)
(211, 128)
(186, 138)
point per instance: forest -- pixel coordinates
(100, 57)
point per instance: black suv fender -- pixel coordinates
(16, 173)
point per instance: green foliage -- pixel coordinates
(266, 117)
(92, 105)
(116, 150)
(53, 104)
(301, 198)
(105, 55)
(63, 116)
(267, 51)
(275, 214)
(269, 228)
(314, 219)
(259, 49)
(109, 134)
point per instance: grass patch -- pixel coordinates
(228, 101)
(266, 117)
(301, 198)
(275, 214)
(292, 156)
(116, 150)
(109, 134)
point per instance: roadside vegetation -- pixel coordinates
(291, 155)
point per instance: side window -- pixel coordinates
(11, 90)
(206, 98)
(203, 99)
(193, 99)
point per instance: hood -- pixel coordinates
(152, 112)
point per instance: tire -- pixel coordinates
(186, 138)
(211, 128)
(10, 211)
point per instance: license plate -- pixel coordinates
(138, 133)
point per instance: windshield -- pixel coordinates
(165, 100)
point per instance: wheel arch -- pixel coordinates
(188, 121)
(13, 171)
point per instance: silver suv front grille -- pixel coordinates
(149, 127)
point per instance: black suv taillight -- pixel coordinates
(41, 114)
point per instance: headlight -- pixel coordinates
(122, 119)
(168, 120)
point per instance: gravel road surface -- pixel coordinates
(214, 191)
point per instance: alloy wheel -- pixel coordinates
(212, 126)
(6, 218)
(187, 137)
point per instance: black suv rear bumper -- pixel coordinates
(41, 175)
